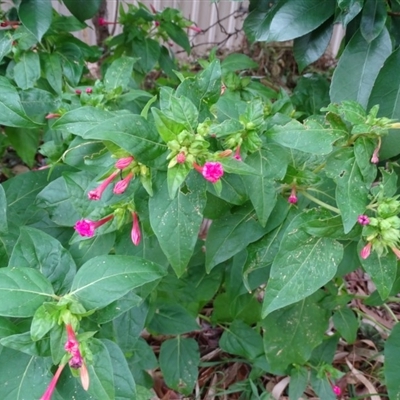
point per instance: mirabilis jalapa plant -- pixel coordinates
(104, 244)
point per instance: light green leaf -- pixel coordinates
(3, 211)
(392, 363)
(236, 62)
(52, 70)
(119, 73)
(358, 68)
(27, 70)
(22, 291)
(104, 279)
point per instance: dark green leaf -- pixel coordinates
(392, 363)
(296, 271)
(5, 45)
(346, 323)
(381, 269)
(83, 9)
(148, 52)
(179, 359)
(373, 19)
(25, 142)
(358, 68)
(311, 47)
(52, 70)
(177, 34)
(298, 382)
(241, 340)
(230, 234)
(173, 319)
(383, 93)
(236, 62)
(3, 211)
(294, 331)
(104, 279)
(36, 249)
(36, 15)
(24, 343)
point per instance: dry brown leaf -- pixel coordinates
(280, 387)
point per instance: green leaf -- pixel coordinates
(373, 19)
(83, 9)
(36, 249)
(101, 372)
(167, 127)
(260, 188)
(23, 376)
(310, 137)
(36, 15)
(392, 363)
(131, 132)
(230, 234)
(298, 382)
(119, 73)
(176, 222)
(381, 269)
(296, 271)
(311, 47)
(25, 142)
(52, 70)
(24, 343)
(237, 62)
(22, 291)
(11, 111)
(148, 51)
(104, 279)
(179, 360)
(27, 70)
(72, 62)
(173, 319)
(294, 331)
(346, 324)
(351, 191)
(358, 68)
(44, 319)
(288, 20)
(241, 340)
(125, 388)
(5, 45)
(389, 101)
(177, 34)
(3, 211)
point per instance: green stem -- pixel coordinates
(364, 315)
(320, 202)
(390, 312)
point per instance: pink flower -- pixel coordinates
(363, 220)
(52, 116)
(123, 162)
(153, 9)
(212, 171)
(52, 385)
(78, 91)
(181, 158)
(136, 235)
(237, 154)
(366, 251)
(195, 28)
(102, 21)
(336, 390)
(98, 192)
(122, 185)
(89, 90)
(85, 227)
(375, 154)
(292, 198)
(84, 376)
(72, 347)
(396, 252)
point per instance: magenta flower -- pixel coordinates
(89, 90)
(102, 21)
(86, 227)
(237, 154)
(136, 235)
(292, 198)
(336, 390)
(52, 385)
(181, 158)
(98, 192)
(396, 252)
(72, 347)
(122, 185)
(52, 116)
(375, 154)
(363, 220)
(212, 171)
(123, 163)
(366, 251)
(196, 29)
(78, 91)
